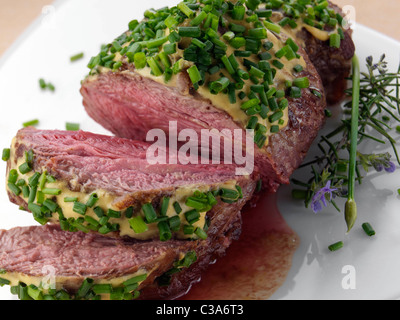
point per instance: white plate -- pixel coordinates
(69, 27)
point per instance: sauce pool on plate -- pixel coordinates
(256, 265)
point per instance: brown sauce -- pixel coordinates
(257, 264)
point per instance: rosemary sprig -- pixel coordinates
(333, 172)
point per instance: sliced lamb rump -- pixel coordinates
(105, 184)
(129, 105)
(38, 258)
(129, 102)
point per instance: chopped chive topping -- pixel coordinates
(4, 282)
(103, 288)
(33, 122)
(156, 42)
(92, 222)
(334, 40)
(295, 92)
(51, 191)
(70, 199)
(190, 32)
(13, 188)
(25, 191)
(32, 195)
(43, 85)
(258, 33)
(92, 200)
(79, 208)
(170, 48)
(336, 246)
(219, 85)
(13, 176)
(77, 57)
(200, 233)
(50, 204)
(238, 42)
(276, 116)
(40, 197)
(99, 212)
(113, 213)
(138, 225)
(298, 68)
(199, 19)
(273, 27)
(368, 229)
(164, 206)
(136, 279)
(192, 216)
(29, 156)
(6, 154)
(140, 60)
(301, 82)
(177, 207)
(154, 66)
(129, 212)
(164, 230)
(24, 168)
(70, 126)
(194, 74)
(188, 229)
(149, 213)
(186, 10)
(174, 223)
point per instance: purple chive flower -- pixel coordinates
(320, 196)
(390, 167)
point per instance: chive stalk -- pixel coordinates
(351, 206)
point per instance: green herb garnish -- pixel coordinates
(336, 246)
(6, 154)
(375, 94)
(76, 57)
(29, 123)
